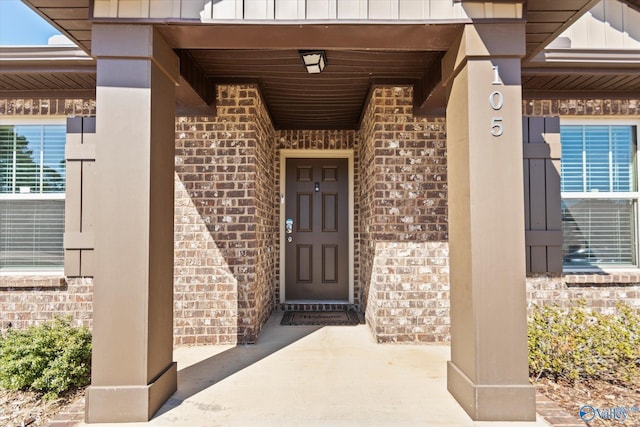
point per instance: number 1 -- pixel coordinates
(496, 76)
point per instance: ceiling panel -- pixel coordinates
(298, 100)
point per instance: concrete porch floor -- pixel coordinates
(314, 376)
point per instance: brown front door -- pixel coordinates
(317, 229)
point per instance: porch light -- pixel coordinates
(314, 60)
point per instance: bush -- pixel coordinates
(578, 344)
(52, 358)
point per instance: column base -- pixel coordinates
(112, 404)
(500, 402)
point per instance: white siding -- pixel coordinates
(609, 25)
(206, 10)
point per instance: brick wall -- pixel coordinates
(266, 217)
(404, 220)
(47, 107)
(225, 225)
(227, 212)
(27, 300)
(599, 291)
(581, 107)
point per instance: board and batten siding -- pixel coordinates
(610, 24)
(543, 215)
(280, 9)
(80, 155)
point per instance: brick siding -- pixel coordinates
(581, 107)
(404, 220)
(47, 107)
(227, 214)
(598, 291)
(225, 226)
(28, 300)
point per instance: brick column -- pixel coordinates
(133, 372)
(488, 372)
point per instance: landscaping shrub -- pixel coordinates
(52, 358)
(577, 344)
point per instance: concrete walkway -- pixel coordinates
(314, 376)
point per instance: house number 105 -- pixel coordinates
(496, 101)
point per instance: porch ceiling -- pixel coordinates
(573, 82)
(333, 99)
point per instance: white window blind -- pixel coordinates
(599, 195)
(598, 231)
(32, 185)
(32, 232)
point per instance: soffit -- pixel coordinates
(332, 99)
(573, 82)
(47, 81)
(71, 17)
(45, 71)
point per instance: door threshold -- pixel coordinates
(312, 301)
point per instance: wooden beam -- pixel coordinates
(369, 36)
(426, 96)
(194, 95)
(52, 67)
(50, 93)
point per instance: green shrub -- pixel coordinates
(577, 344)
(52, 358)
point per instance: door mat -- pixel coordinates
(321, 318)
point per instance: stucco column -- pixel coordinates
(488, 372)
(133, 371)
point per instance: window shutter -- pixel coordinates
(80, 197)
(543, 215)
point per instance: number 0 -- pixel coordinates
(496, 100)
(496, 126)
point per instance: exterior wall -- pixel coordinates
(26, 300)
(227, 210)
(225, 227)
(581, 107)
(47, 107)
(280, 9)
(29, 300)
(404, 249)
(597, 291)
(610, 24)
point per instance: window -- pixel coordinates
(599, 189)
(32, 185)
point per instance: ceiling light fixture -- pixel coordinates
(314, 60)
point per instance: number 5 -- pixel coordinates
(496, 126)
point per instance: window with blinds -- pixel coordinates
(599, 195)
(32, 185)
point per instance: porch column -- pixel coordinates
(488, 372)
(133, 371)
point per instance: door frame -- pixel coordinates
(316, 154)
